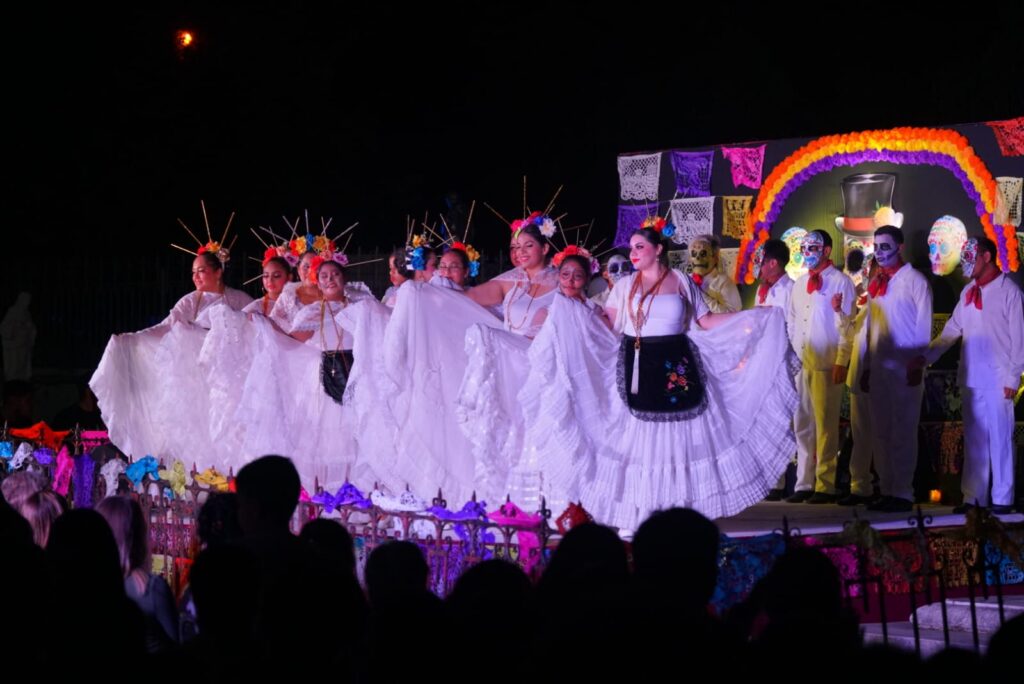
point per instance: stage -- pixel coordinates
(807, 519)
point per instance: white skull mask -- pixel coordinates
(945, 240)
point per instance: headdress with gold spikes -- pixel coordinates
(218, 248)
(322, 246)
(417, 245)
(449, 241)
(579, 248)
(541, 219)
(549, 225)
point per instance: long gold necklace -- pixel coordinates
(528, 293)
(324, 305)
(639, 318)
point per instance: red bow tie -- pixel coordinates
(762, 292)
(699, 279)
(974, 296)
(879, 285)
(814, 282)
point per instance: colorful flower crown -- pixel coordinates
(471, 254)
(282, 252)
(213, 247)
(321, 246)
(545, 224)
(318, 244)
(659, 225)
(576, 250)
(416, 253)
(320, 259)
(216, 247)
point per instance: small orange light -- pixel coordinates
(935, 496)
(185, 38)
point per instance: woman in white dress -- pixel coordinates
(277, 274)
(292, 398)
(489, 413)
(398, 274)
(152, 385)
(675, 407)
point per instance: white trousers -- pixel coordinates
(895, 417)
(988, 447)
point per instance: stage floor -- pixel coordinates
(766, 517)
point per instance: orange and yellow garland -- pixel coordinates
(939, 147)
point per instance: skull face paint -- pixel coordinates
(887, 251)
(812, 247)
(945, 240)
(703, 256)
(618, 268)
(969, 257)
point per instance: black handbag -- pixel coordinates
(334, 370)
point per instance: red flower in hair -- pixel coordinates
(314, 266)
(269, 254)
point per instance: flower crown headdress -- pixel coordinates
(322, 246)
(215, 247)
(548, 226)
(579, 248)
(659, 225)
(417, 244)
(449, 242)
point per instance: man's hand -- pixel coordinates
(839, 374)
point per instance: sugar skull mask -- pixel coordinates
(793, 237)
(945, 240)
(969, 257)
(812, 247)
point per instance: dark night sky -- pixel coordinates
(369, 114)
(372, 114)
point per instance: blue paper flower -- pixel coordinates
(669, 230)
(474, 269)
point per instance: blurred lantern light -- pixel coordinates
(185, 39)
(935, 496)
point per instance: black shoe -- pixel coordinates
(894, 504)
(775, 495)
(962, 508)
(878, 504)
(800, 497)
(854, 500)
(822, 498)
(1000, 509)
